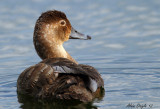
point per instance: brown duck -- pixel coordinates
(58, 76)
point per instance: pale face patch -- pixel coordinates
(49, 29)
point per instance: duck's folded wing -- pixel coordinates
(63, 65)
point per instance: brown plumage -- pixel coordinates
(58, 76)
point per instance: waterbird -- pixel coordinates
(58, 75)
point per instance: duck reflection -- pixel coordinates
(28, 102)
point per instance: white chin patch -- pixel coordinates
(93, 85)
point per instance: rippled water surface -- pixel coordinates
(125, 47)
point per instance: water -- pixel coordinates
(124, 48)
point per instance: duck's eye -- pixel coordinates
(63, 23)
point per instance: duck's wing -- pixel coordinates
(35, 79)
(63, 65)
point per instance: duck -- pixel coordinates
(58, 75)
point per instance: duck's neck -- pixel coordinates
(52, 51)
(48, 47)
(59, 51)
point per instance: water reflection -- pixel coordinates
(31, 103)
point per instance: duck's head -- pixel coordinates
(51, 30)
(55, 25)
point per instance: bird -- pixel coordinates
(58, 75)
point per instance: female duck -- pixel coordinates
(58, 76)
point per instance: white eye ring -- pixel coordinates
(62, 22)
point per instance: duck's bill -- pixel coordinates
(77, 35)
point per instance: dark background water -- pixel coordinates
(125, 46)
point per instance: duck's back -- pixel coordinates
(60, 78)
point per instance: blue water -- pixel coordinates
(125, 47)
